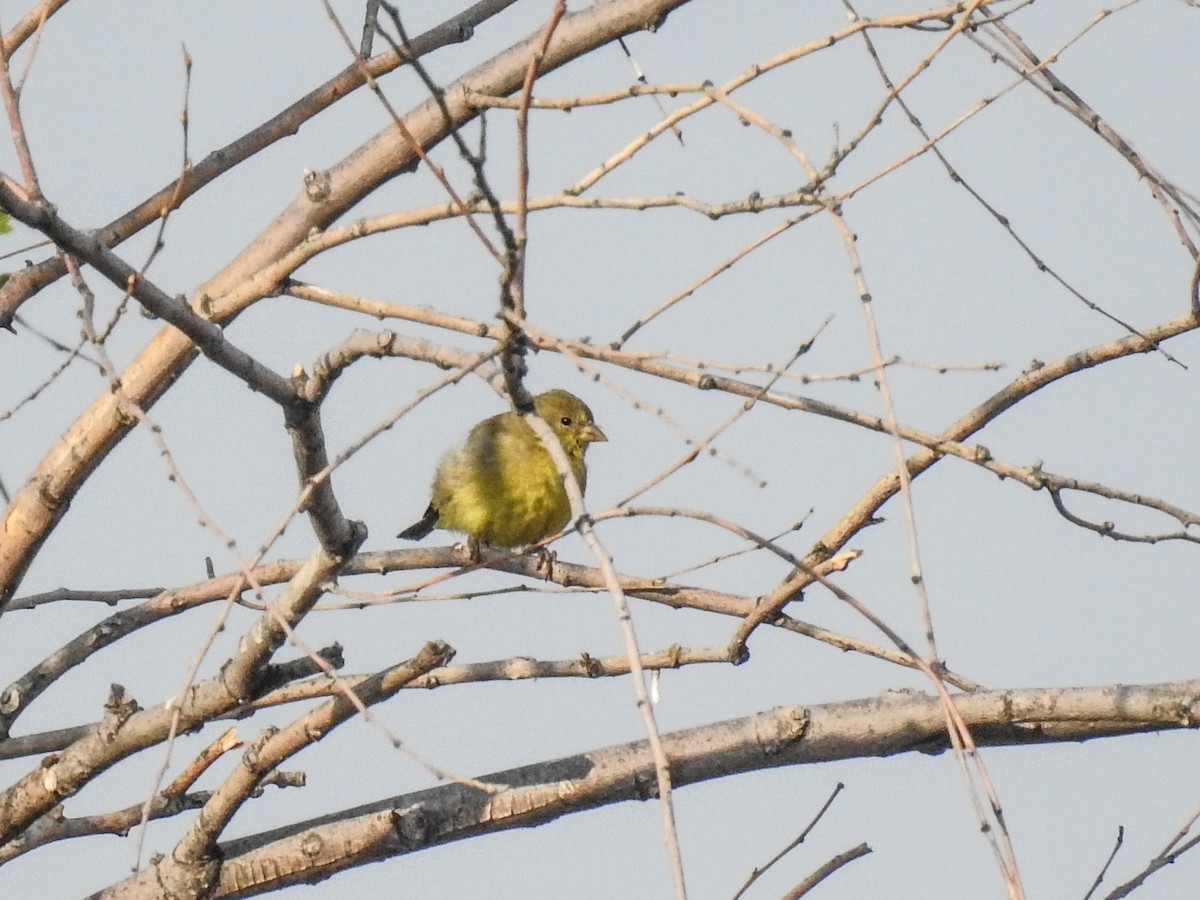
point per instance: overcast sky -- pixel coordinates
(1020, 597)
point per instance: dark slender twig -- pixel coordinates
(799, 839)
(208, 336)
(1175, 848)
(490, 201)
(995, 213)
(1108, 862)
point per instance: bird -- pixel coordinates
(501, 487)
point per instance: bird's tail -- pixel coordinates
(418, 530)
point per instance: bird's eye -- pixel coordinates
(566, 421)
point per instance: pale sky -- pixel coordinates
(1020, 598)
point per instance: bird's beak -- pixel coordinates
(591, 434)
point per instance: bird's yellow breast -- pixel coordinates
(502, 487)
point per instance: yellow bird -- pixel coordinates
(501, 487)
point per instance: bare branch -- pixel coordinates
(826, 870)
(897, 722)
(126, 728)
(456, 29)
(194, 860)
(799, 839)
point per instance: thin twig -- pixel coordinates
(759, 871)
(826, 870)
(1108, 862)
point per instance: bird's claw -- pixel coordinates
(470, 551)
(543, 561)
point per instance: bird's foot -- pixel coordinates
(543, 562)
(470, 553)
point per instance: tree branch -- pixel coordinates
(194, 863)
(28, 281)
(896, 722)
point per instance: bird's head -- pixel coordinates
(570, 419)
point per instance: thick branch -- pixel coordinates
(896, 722)
(244, 672)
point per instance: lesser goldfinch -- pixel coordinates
(501, 487)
